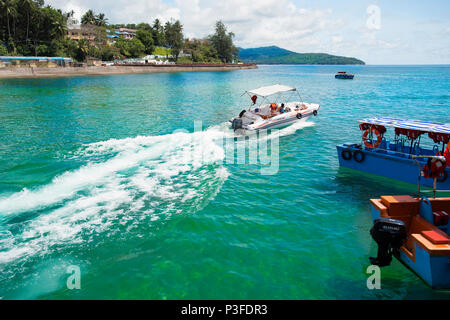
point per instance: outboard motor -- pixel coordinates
(236, 124)
(389, 234)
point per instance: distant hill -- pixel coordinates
(276, 55)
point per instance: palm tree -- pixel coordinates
(100, 20)
(28, 5)
(59, 27)
(88, 18)
(9, 8)
(83, 48)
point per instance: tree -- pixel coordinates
(88, 18)
(158, 33)
(59, 26)
(130, 48)
(147, 40)
(144, 26)
(223, 43)
(202, 51)
(28, 6)
(9, 7)
(3, 50)
(101, 20)
(82, 50)
(173, 33)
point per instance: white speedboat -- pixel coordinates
(271, 108)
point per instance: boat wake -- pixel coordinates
(123, 184)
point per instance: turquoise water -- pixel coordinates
(93, 175)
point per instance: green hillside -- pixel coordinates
(276, 55)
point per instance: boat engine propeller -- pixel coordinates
(389, 234)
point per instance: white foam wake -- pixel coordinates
(143, 179)
(125, 183)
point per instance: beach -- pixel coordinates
(30, 72)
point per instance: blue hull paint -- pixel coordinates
(387, 164)
(435, 271)
(343, 76)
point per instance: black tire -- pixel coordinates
(346, 154)
(359, 156)
(299, 115)
(443, 178)
(315, 113)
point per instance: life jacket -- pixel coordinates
(447, 156)
(434, 168)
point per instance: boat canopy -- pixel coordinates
(424, 126)
(439, 132)
(269, 90)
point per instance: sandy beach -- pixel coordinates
(117, 69)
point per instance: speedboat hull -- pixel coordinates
(256, 123)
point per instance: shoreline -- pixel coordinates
(31, 72)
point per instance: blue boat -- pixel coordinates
(344, 75)
(399, 159)
(416, 232)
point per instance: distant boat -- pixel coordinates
(344, 75)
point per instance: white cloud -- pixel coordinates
(254, 22)
(312, 28)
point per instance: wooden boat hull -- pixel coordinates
(431, 262)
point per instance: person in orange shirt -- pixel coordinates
(447, 154)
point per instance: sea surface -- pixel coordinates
(103, 174)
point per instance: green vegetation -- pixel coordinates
(31, 28)
(161, 51)
(223, 43)
(276, 55)
(146, 39)
(90, 18)
(130, 47)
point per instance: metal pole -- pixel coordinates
(434, 188)
(420, 174)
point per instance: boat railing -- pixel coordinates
(408, 154)
(398, 148)
(434, 190)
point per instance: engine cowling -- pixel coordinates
(237, 124)
(389, 234)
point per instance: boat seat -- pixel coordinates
(438, 218)
(436, 237)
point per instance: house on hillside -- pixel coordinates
(112, 38)
(84, 31)
(126, 33)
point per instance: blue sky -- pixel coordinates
(377, 31)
